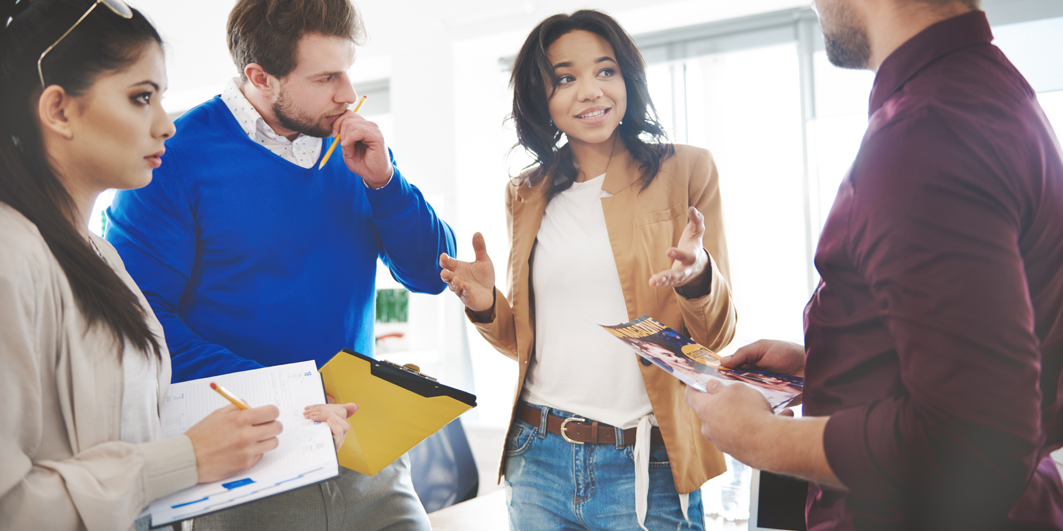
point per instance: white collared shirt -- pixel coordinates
(303, 151)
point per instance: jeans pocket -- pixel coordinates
(519, 438)
(658, 456)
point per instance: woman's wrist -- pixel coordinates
(485, 316)
(171, 465)
(701, 285)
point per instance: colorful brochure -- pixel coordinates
(696, 365)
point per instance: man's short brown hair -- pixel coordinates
(267, 32)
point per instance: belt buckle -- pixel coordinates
(564, 423)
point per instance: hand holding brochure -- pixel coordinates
(305, 455)
(696, 365)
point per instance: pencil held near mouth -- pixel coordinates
(365, 153)
(336, 142)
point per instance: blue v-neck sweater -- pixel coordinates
(249, 260)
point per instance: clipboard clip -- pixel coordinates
(409, 367)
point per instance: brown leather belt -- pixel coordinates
(578, 431)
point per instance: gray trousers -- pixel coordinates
(350, 501)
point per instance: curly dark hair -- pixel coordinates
(641, 132)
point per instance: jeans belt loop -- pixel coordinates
(545, 412)
(619, 438)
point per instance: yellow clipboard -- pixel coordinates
(397, 408)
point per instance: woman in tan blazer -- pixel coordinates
(605, 228)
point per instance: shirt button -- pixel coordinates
(645, 361)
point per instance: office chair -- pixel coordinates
(443, 469)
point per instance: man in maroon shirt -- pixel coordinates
(934, 342)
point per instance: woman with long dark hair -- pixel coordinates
(608, 225)
(85, 367)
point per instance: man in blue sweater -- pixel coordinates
(251, 256)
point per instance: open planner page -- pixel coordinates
(305, 455)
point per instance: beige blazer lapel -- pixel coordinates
(621, 177)
(528, 207)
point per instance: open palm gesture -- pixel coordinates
(689, 256)
(473, 283)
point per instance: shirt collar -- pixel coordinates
(245, 113)
(248, 117)
(934, 42)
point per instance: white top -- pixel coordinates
(140, 397)
(140, 388)
(302, 152)
(577, 367)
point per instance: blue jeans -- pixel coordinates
(556, 485)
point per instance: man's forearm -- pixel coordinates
(412, 234)
(794, 447)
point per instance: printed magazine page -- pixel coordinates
(695, 365)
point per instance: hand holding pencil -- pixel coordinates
(364, 151)
(232, 439)
(336, 141)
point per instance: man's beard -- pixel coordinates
(847, 45)
(292, 118)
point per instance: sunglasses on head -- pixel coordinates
(118, 7)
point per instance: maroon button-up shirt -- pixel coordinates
(935, 338)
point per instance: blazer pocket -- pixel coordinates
(658, 216)
(655, 232)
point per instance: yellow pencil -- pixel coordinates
(229, 396)
(337, 141)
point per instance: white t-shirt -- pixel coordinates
(577, 366)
